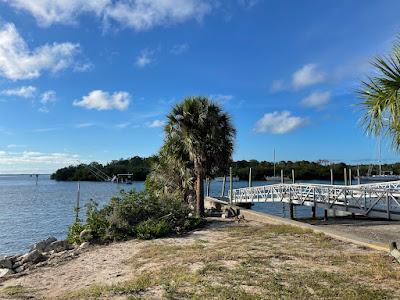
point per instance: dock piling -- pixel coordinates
(230, 186)
(223, 186)
(250, 178)
(293, 181)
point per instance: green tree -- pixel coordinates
(381, 97)
(200, 130)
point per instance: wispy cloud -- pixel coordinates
(221, 98)
(248, 4)
(145, 58)
(23, 91)
(279, 123)
(19, 62)
(156, 124)
(84, 125)
(16, 146)
(47, 97)
(100, 100)
(123, 125)
(179, 49)
(277, 86)
(317, 99)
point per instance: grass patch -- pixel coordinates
(16, 292)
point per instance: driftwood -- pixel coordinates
(394, 251)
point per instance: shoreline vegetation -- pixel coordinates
(141, 168)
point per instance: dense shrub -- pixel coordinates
(153, 228)
(135, 214)
(74, 232)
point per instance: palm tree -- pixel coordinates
(202, 132)
(381, 97)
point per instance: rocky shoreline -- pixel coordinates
(47, 252)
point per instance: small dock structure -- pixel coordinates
(123, 178)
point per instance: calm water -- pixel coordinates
(30, 212)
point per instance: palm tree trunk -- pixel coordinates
(200, 196)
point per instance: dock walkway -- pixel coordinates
(377, 200)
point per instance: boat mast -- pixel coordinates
(379, 155)
(274, 164)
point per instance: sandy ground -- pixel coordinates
(381, 231)
(225, 260)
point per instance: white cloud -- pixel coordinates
(221, 98)
(23, 91)
(137, 14)
(101, 100)
(279, 123)
(145, 58)
(307, 75)
(317, 99)
(18, 62)
(47, 97)
(34, 162)
(179, 49)
(156, 124)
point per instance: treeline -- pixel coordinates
(304, 170)
(140, 168)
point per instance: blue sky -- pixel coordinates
(93, 79)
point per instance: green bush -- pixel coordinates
(137, 214)
(151, 229)
(74, 232)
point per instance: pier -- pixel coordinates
(376, 200)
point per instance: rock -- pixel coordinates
(17, 264)
(86, 235)
(5, 272)
(19, 269)
(6, 263)
(84, 245)
(41, 246)
(33, 257)
(229, 212)
(58, 246)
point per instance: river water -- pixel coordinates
(31, 211)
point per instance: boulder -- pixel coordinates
(5, 272)
(86, 235)
(33, 257)
(41, 246)
(58, 246)
(6, 263)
